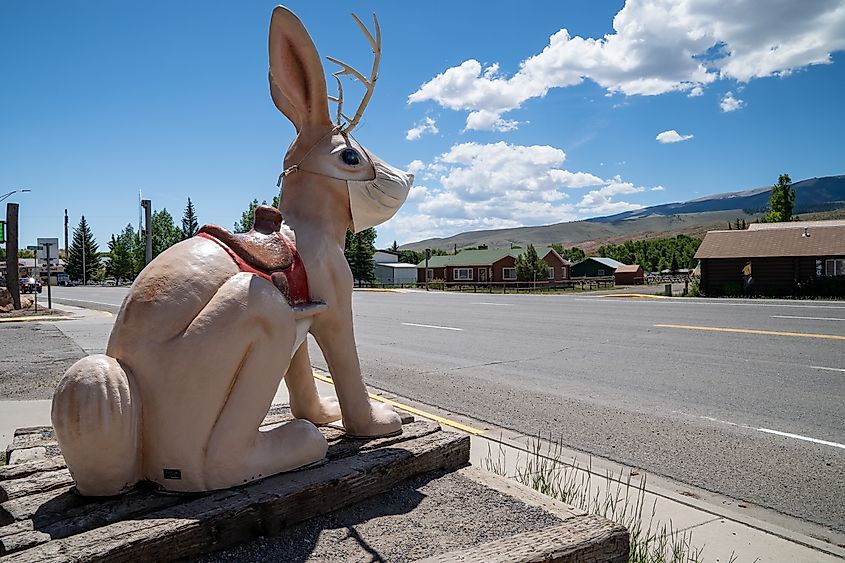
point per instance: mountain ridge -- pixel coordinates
(694, 217)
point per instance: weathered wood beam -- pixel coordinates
(224, 518)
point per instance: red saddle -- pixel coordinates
(266, 252)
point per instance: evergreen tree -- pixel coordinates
(530, 267)
(781, 201)
(82, 247)
(395, 247)
(165, 232)
(359, 250)
(189, 221)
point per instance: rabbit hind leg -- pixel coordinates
(237, 452)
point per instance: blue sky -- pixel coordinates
(563, 111)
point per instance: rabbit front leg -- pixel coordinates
(305, 400)
(361, 417)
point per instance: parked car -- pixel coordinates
(30, 285)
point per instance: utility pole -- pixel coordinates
(47, 246)
(148, 229)
(65, 234)
(12, 275)
(84, 277)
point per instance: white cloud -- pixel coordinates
(658, 46)
(695, 92)
(657, 189)
(601, 200)
(427, 125)
(415, 166)
(416, 193)
(729, 103)
(672, 136)
(500, 185)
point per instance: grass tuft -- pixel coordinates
(616, 497)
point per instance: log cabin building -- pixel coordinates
(774, 259)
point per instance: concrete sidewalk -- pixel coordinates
(720, 525)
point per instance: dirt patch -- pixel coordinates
(427, 516)
(33, 356)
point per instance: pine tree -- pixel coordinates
(781, 201)
(83, 247)
(530, 267)
(165, 232)
(189, 221)
(395, 247)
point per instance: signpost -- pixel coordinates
(44, 253)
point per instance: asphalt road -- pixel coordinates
(753, 410)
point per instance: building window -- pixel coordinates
(429, 274)
(563, 272)
(508, 273)
(551, 272)
(600, 272)
(462, 274)
(835, 267)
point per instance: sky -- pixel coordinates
(557, 112)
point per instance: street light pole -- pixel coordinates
(4, 196)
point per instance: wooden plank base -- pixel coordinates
(42, 519)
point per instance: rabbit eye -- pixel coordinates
(350, 157)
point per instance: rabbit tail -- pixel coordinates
(97, 420)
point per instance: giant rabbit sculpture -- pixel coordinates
(205, 335)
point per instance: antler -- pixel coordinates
(347, 70)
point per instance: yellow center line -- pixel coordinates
(412, 410)
(753, 331)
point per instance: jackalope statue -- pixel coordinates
(213, 324)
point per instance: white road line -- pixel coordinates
(433, 326)
(828, 369)
(806, 318)
(800, 437)
(777, 432)
(87, 301)
(496, 304)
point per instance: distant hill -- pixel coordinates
(696, 217)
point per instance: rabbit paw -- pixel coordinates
(321, 412)
(383, 421)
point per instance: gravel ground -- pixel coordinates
(430, 515)
(33, 356)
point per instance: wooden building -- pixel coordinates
(779, 258)
(629, 275)
(485, 266)
(595, 267)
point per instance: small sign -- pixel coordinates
(2, 232)
(54, 250)
(33, 247)
(174, 474)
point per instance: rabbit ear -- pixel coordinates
(296, 70)
(284, 105)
